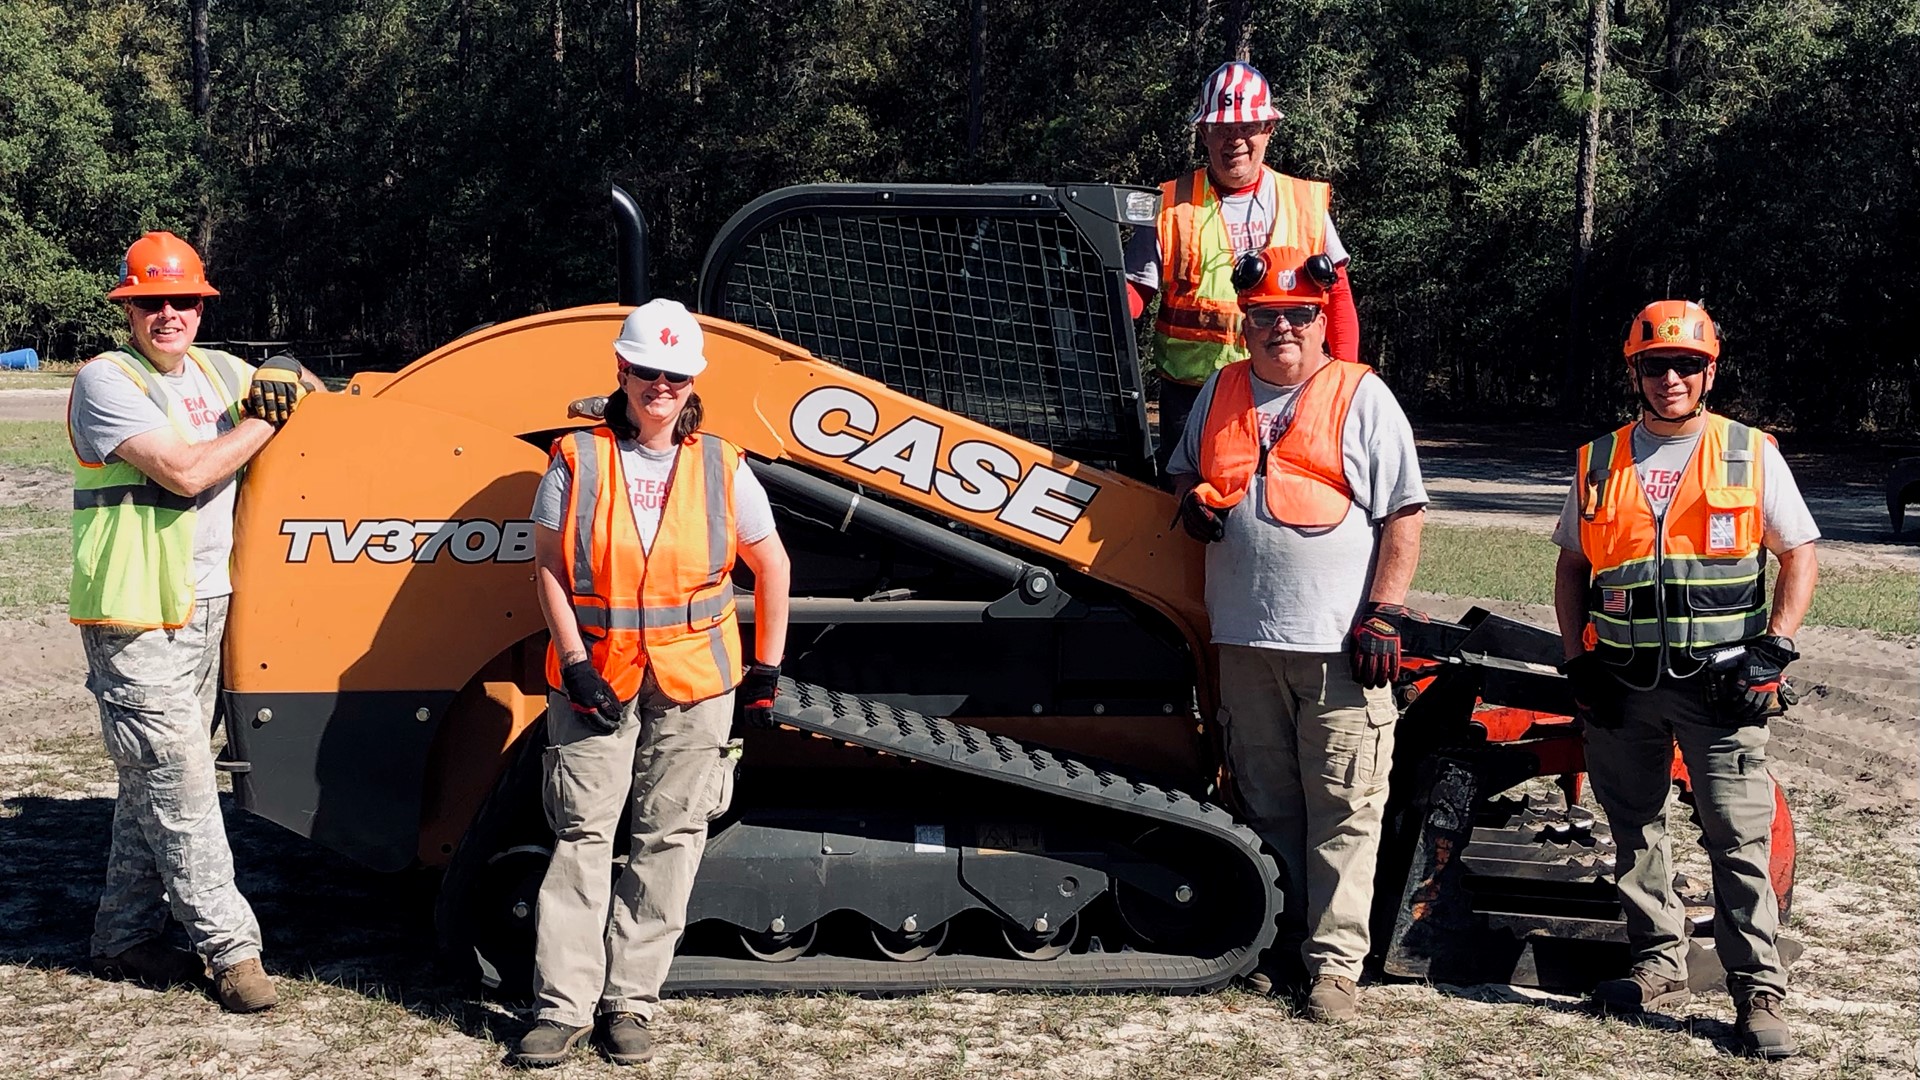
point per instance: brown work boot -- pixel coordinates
(244, 987)
(626, 1041)
(1332, 999)
(150, 963)
(1762, 1029)
(548, 1043)
(1639, 992)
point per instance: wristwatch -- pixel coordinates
(1782, 642)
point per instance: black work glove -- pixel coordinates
(1202, 522)
(275, 389)
(758, 688)
(593, 699)
(1759, 685)
(1596, 693)
(1374, 645)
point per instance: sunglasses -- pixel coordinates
(1656, 367)
(1265, 318)
(151, 304)
(647, 375)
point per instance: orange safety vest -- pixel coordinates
(1690, 583)
(1198, 326)
(1306, 475)
(671, 608)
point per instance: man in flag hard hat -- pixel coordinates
(1215, 223)
(1660, 595)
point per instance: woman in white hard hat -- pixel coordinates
(638, 523)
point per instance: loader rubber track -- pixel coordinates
(943, 744)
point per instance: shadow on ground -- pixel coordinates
(322, 917)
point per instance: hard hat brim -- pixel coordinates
(673, 363)
(160, 288)
(1213, 116)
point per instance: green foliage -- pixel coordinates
(395, 171)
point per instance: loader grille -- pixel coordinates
(1007, 319)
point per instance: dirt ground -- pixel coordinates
(361, 996)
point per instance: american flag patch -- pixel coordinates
(1613, 601)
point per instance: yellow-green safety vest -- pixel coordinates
(132, 537)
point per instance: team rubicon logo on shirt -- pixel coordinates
(979, 476)
(397, 540)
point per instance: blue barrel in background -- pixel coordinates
(20, 360)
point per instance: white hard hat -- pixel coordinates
(1236, 93)
(663, 334)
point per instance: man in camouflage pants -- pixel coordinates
(160, 431)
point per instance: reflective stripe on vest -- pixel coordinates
(669, 609)
(1666, 592)
(1305, 472)
(132, 537)
(1198, 328)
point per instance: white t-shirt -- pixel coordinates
(1274, 586)
(1662, 460)
(1249, 220)
(106, 409)
(647, 473)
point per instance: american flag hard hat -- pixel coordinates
(1236, 93)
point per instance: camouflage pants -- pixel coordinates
(156, 690)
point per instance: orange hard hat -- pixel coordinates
(162, 264)
(1672, 324)
(1282, 275)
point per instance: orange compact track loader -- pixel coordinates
(995, 764)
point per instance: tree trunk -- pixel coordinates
(1671, 81)
(976, 80)
(1198, 15)
(1575, 377)
(635, 10)
(1239, 29)
(558, 21)
(203, 114)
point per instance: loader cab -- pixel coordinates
(1003, 303)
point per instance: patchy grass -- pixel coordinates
(34, 443)
(1511, 564)
(36, 571)
(51, 376)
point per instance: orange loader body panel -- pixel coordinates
(401, 563)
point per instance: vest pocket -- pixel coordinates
(1732, 521)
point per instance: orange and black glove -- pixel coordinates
(1759, 681)
(1204, 523)
(758, 688)
(1375, 643)
(276, 388)
(594, 701)
(1596, 693)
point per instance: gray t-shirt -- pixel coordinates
(647, 473)
(107, 409)
(1249, 221)
(1273, 586)
(1662, 460)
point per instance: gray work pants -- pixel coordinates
(169, 852)
(1310, 752)
(1631, 772)
(610, 944)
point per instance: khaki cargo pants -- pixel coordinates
(169, 852)
(1310, 752)
(605, 944)
(1630, 769)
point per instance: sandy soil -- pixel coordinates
(362, 997)
(33, 404)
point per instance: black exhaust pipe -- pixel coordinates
(631, 229)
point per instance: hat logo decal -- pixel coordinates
(1669, 330)
(1288, 279)
(668, 337)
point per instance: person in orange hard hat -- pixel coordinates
(1660, 594)
(1212, 224)
(1298, 471)
(160, 430)
(641, 514)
